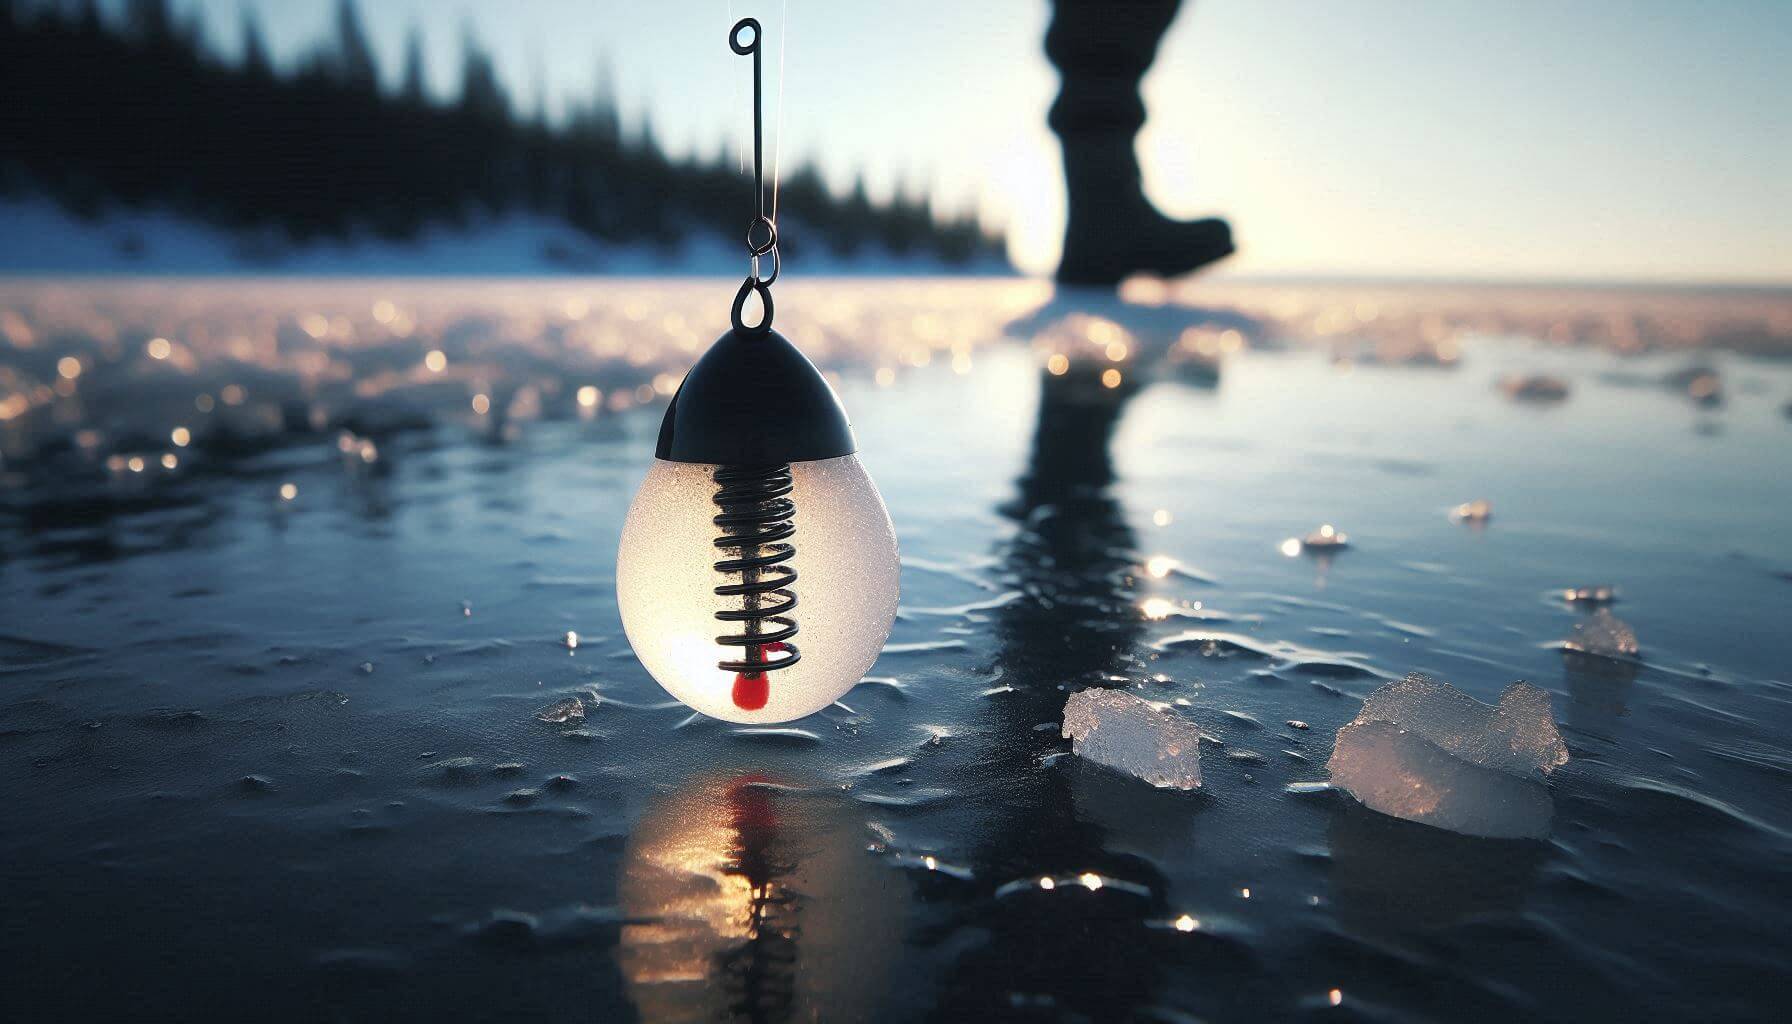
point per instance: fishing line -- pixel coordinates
(778, 126)
(740, 141)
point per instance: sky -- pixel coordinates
(1520, 140)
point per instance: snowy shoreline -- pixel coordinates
(40, 238)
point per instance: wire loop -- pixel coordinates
(771, 236)
(747, 287)
(734, 42)
(753, 268)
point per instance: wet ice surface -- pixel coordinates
(1424, 751)
(196, 771)
(1132, 735)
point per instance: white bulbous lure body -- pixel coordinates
(846, 587)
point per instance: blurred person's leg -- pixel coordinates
(1102, 49)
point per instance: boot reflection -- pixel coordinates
(1076, 950)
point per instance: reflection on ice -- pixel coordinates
(1393, 879)
(745, 898)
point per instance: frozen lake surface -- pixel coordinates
(289, 570)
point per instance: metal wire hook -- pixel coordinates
(761, 224)
(767, 247)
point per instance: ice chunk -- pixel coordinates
(1700, 383)
(1595, 595)
(1321, 542)
(1518, 735)
(1397, 772)
(1425, 751)
(1327, 537)
(562, 711)
(1478, 511)
(1603, 635)
(1534, 388)
(1121, 731)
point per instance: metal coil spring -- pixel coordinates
(756, 521)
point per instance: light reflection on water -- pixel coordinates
(278, 703)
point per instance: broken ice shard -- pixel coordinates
(1517, 736)
(562, 711)
(1398, 773)
(1121, 731)
(1427, 752)
(1603, 635)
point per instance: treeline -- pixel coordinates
(134, 108)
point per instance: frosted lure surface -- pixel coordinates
(847, 586)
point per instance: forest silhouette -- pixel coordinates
(133, 109)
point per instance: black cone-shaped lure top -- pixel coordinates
(754, 400)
